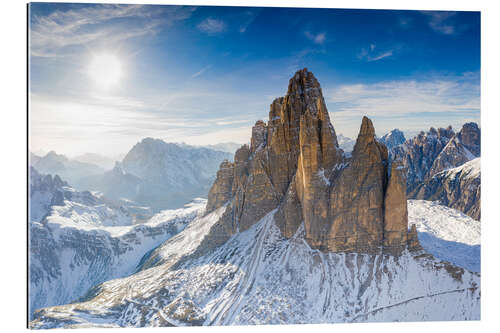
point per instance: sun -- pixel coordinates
(105, 70)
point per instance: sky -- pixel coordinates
(102, 77)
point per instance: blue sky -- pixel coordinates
(204, 75)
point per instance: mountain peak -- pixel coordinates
(393, 139)
(301, 82)
(367, 128)
(294, 165)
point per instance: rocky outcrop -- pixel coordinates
(458, 188)
(419, 153)
(221, 190)
(347, 203)
(396, 210)
(413, 243)
(463, 147)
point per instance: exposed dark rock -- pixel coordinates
(458, 188)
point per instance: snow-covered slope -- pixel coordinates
(66, 258)
(447, 233)
(458, 188)
(77, 240)
(259, 277)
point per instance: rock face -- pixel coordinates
(419, 153)
(458, 188)
(430, 153)
(396, 210)
(294, 164)
(463, 147)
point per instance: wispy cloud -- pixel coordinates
(318, 38)
(212, 26)
(409, 103)
(248, 17)
(53, 33)
(371, 53)
(197, 115)
(441, 22)
(453, 94)
(201, 71)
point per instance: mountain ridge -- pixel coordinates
(159, 174)
(295, 231)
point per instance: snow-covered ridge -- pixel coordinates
(471, 169)
(447, 233)
(76, 240)
(259, 277)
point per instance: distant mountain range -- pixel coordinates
(345, 143)
(158, 174)
(228, 147)
(106, 163)
(153, 173)
(68, 169)
(430, 153)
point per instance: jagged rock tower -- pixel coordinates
(347, 203)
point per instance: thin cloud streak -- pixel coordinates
(201, 71)
(212, 26)
(250, 16)
(381, 56)
(371, 53)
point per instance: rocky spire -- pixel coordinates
(294, 164)
(395, 209)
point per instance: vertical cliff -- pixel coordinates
(294, 164)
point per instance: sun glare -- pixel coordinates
(105, 70)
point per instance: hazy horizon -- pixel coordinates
(103, 77)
